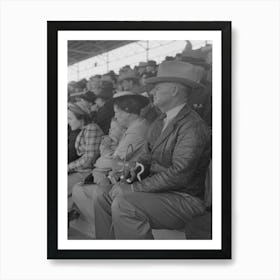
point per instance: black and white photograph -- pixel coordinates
(117, 148)
(139, 141)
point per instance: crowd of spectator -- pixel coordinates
(134, 80)
(111, 116)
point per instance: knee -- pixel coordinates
(121, 207)
(77, 191)
(73, 179)
(98, 193)
(100, 178)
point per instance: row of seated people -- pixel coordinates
(170, 141)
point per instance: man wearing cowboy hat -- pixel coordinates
(178, 152)
(141, 67)
(130, 82)
(151, 67)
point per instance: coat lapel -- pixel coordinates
(170, 127)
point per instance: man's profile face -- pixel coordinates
(127, 85)
(162, 93)
(150, 68)
(94, 84)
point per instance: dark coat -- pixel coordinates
(104, 116)
(200, 100)
(72, 152)
(179, 156)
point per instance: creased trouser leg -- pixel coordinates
(128, 221)
(135, 214)
(73, 179)
(102, 210)
(82, 197)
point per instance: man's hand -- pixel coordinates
(120, 189)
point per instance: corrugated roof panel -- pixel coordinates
(81, 50)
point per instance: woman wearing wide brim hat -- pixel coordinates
(128, 107)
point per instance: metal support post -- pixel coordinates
(147, 51)
(107, 61)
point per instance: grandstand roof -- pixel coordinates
(81, 50)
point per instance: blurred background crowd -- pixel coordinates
(97, 90)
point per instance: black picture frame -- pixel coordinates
(52, 77)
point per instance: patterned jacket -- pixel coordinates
(87, 147)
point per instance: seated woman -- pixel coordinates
(127, 112)
(87, 144)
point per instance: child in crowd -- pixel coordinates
(107, 147)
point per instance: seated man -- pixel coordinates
(178, 152)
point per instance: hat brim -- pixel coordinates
(138, 97)
(122, 93)
(122, 96)
(186, 82)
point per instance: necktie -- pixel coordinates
(155, 132)
(158, 129)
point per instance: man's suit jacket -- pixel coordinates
(179, 156)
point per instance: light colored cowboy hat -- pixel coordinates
(178, 72)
